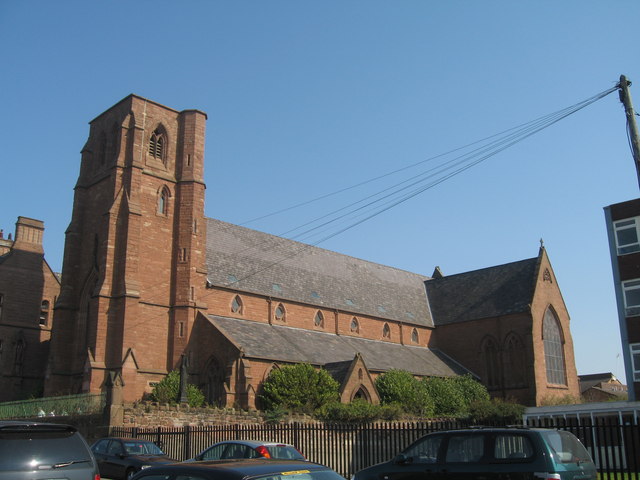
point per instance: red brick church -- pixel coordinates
(148, 279)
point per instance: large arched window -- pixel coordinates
(514, 361)
(553, 348)
(491, 360)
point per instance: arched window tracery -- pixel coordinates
(553, 341)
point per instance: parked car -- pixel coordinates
(38, 451)
(489, 453)
(121, 458)
(249, 449)
(240, 469)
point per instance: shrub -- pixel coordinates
(471, 390)
(401, 388)
(299, 388)
(358, 411)
(448, 399)
(496, 412)
(168, 391)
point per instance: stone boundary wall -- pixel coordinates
(154, 415)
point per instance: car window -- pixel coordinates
(566, 448)
(465, 448)
(214, 453)
(41, 447)
(115, 448)
(188, 477)
(101, 446)
(236, 450)
(425, 450)
(512, 447)
(284, 453)
(142, 448)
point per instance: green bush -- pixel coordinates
(168, 391)
(299, 388)
(496, 412)
(401, 388)
(471, 390)
(358, 411)
(448, 399)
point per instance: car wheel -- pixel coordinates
(130, 473)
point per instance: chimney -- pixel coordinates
(29, 235)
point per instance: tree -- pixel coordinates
(299, 388)
(168, 390)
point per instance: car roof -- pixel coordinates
(7, 424)
(255, 443)
(241, 468)
(125, 439)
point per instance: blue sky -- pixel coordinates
(307, 97)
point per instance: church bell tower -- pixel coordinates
(134, 258)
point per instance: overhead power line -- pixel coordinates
(338, 221)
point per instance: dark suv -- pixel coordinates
(38, 451)
(489, 453)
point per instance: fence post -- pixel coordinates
(187, 442)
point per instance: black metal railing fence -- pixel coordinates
(347, 448)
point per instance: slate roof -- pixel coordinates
(489, 292)
(273, 266)
(591, 380)
(286, 344)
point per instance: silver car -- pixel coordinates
(39, 451)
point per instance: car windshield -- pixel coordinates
(566, 448)
(26, 450)
(142, 448)
(301, 475)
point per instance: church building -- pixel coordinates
(149, 282)
(28, 292)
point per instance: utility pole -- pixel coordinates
(632, 127)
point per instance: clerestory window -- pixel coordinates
(386, 331)
(415, 338)
(355, 326)
(280, 313)
(236, 305)
(318, 320)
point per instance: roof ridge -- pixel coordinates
(493, 267)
